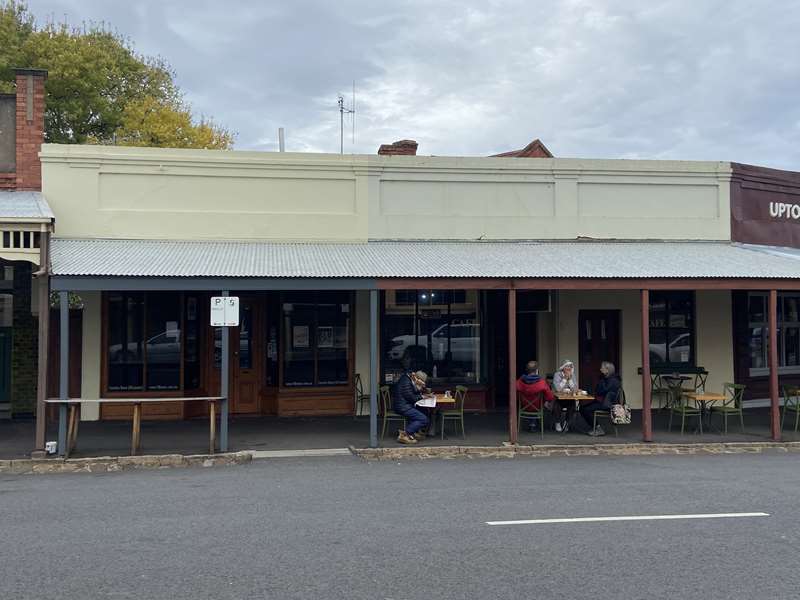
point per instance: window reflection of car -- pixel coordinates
(164, 347)
(464, 343)
(679, 350)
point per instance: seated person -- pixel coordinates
(564, 382)
(405, 393)
(606, 393)
(533, 390)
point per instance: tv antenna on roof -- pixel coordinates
(351, 110)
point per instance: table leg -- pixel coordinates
(432, 425)
(70, 427)
(73, 441)
(137, 425)
(212, 426)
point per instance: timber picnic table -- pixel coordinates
(74, 405)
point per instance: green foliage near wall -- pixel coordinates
(99, 90)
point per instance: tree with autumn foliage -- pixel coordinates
(99, 90)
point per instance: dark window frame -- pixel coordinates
(667, 328)
(453, 296)
(315, 298)
(143, 391)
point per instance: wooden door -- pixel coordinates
(5, 365)
(598, 341)
(246, 358)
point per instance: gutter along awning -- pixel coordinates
(175, 264)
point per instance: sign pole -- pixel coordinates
(224, 387)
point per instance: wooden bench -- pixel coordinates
(74, 405)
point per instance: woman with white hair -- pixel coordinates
(606, 393)
(564, 383)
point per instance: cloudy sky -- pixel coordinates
(668, 79)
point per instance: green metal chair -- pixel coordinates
(360, 398)
(606, 414)
(732, 405)
(386, 409)
(456, 414)
(680, 407)
(523, 413)
(660, 390)
(791, 403)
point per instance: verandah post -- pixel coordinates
(44, 341)
(647, 416)
(774, 406)
(512, 365)
(63, 371)
(373, 368)
(224, 387)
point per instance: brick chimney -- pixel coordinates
(30, 127)
(400, 148)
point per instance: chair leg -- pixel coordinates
(441, 425)
(541, 424)
(463, 431)
(683, 420)
(670, 420)
(725, 420)
(796, 418)
(700, 422)
(383, 433)
(741, 419)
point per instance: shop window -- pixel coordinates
(672, 329)
(6, 310)
(316, 329)
(144, 341)
(788, 332)
(439, 332)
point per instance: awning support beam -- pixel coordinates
(63, 371)
(647, 414)
(374, 379)
(774, 410)
(512, 366)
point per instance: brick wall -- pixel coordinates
(24, 345)
(30, 127)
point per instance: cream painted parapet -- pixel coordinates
(157, 193)
(543, 198)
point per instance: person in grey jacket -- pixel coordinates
(564, 382)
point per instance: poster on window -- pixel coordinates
(324, 337)
(300, 336)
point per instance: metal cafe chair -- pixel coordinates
(456, 414)
(386, 409)
(658, 389)
(606, 414)
(732, 405)
(529, 413)
(681, 407)
(359, 397)
(791, 403)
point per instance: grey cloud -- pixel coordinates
(663, 79)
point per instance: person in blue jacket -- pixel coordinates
(405, 393)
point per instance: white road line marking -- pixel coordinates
(629, 518)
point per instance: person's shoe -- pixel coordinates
(597, 431)
(404, 438)
(420, 435)
(559, 427)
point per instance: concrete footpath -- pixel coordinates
(108, 464)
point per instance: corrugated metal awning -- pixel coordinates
(24, 206)
(417, 260)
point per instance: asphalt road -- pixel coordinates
(343, 528)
